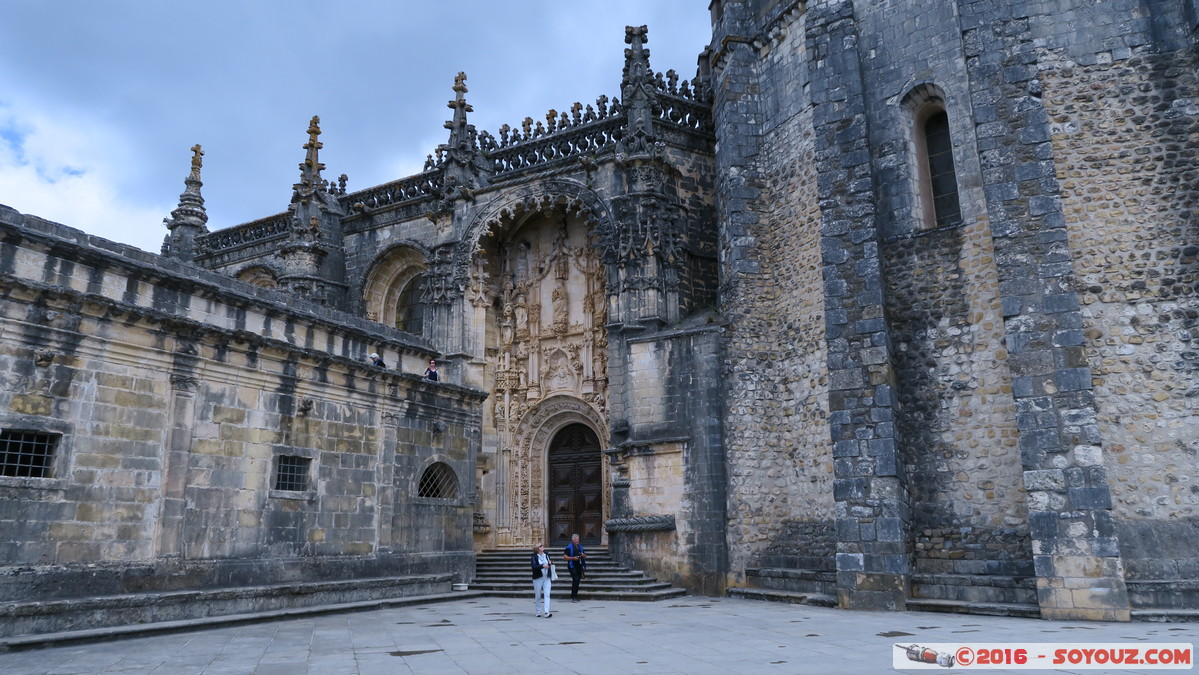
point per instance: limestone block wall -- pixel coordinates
(1124, 133)
(669, 495)
(778, 442)
(174, 393)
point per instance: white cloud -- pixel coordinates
(52, 169)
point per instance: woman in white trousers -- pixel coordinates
(540, 564)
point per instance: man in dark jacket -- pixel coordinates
(576, 561)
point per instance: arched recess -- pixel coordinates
(934, 185)
(389, 275)
(537, 430)
(260, 276)
(546, 196)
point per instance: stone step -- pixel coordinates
(506, 574)
(527, 584)
(524, 579)
(987, 608)
(558, 593)
(821, 582)
(41, 640)
(103, 612)
(524, 565)
(1166, 615)
(1167, 594)
(975, 588)
(775, 595)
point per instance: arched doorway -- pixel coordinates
(576, 486)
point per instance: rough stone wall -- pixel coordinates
(957, 420)
(1124, 146)
(175, 391)
(779, 451)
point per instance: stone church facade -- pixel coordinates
(900, 296)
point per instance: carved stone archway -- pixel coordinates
(569, 196)
(529, 457)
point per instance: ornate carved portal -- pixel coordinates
(537, 289)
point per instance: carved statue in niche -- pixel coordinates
(561, 311)
(521, 311)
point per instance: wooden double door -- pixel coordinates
(576, 486)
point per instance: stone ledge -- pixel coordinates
(107, 612)
(21, 642)
(792, 597)
(987, 608)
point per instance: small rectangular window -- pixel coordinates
(27, 454)
(291, 473)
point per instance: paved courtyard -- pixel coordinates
(721, 636)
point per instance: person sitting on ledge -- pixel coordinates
(431, 371)
(377, 360)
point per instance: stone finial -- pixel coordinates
(189, 219)
(197, 161)
(636, 56)
(311, 181)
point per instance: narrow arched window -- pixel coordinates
(410, 306)
(438, 482)
(942, 179)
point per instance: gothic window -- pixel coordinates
(438, 482)
(942, 179)
(27, 454)
(410, 306)
(934, 176)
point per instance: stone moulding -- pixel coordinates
(660, 523)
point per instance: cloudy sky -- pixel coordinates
(101, 101)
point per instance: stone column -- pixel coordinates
(1075, 550)
(872, 509)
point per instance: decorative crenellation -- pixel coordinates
(555, 122)
(253, 232)
(426, 185)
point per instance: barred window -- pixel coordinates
(27, 454)
(291, 473)
(438, 482)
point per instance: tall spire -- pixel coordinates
(637, 87)
(189, 218)
(464, 166)
(311, 181)
(459, 129)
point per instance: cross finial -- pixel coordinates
(314, 130)
(197, 154)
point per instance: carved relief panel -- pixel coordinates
(546, 338)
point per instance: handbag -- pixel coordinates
(553, 572)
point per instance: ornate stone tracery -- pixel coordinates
(538, 286)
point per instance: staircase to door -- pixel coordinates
(506, 573)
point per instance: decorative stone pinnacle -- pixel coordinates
(310, 168)
(188, 219)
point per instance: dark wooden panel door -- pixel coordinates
(576, 486)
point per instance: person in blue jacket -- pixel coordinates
(540, 564)
(576, 561)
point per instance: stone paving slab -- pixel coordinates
(694, 635)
